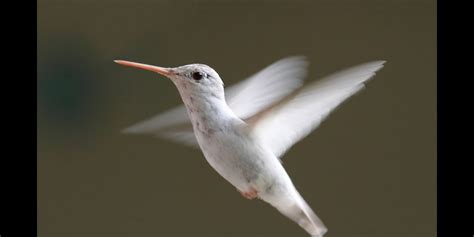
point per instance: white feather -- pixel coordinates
(266, 87)
(293, 118)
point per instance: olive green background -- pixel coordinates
(369, 170)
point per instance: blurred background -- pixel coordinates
(369, 170)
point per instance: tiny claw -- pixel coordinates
(252, 194)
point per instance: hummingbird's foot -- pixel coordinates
(250, 194)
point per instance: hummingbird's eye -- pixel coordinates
(197, 75)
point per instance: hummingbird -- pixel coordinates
(244, 130)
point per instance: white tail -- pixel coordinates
(295, 207)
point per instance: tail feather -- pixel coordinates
(301, 213)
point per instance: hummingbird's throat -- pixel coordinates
(208, 114)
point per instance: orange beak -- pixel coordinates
(161, 70)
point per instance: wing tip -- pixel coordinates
(371, 68)
(302, 59)
(130, 130)
(378, 64)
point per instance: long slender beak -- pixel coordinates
(161, 70)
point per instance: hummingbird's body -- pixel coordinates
(223, 139)
(243, 138)
(230, 148)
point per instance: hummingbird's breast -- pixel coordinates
(228, 147)
(233, 156)
(237, 157)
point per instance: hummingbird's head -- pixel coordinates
(191, 79)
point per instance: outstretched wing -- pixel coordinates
(293, 118)
(264, 88)
(245, 98)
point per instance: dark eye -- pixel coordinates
(197, 75)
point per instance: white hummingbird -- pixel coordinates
(244, 132)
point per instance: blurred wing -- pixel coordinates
(293, 118)
(183, 134)
(264, 88)
(245, 98)
(172, 124)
